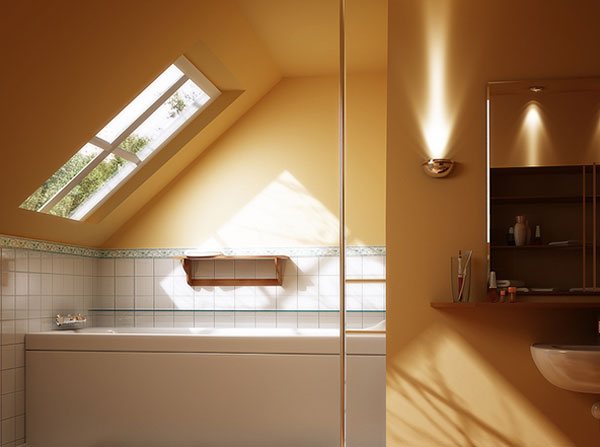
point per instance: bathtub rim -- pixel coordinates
(211, 340)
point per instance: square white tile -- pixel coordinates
(143, 267)
(163, 267)
(144, 286)
(307, 265)
(308, 285)
(124, 267)
(374, 266)
(329, 266)
(106, 267)
(35, 262)
(124, 285)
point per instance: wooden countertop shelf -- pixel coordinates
(277, 280)
(518, 305)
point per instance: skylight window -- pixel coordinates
(121, 147)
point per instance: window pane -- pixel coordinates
(140, 104)
(61, 177)
(93, 188)
(163, 123)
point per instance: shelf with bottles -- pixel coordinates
(566, 293)
(518, 305)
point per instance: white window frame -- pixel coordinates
(190, 72)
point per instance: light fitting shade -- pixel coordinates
(438, 167)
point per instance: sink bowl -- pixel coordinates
(572, 367)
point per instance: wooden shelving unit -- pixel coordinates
(278, 261)
(562, 200)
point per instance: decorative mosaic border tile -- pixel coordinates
(54, 247)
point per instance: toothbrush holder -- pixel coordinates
(460, 279)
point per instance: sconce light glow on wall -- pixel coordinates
(436, 120)
(438, 167)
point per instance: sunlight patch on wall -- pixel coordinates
(442, 392)
(283, 214)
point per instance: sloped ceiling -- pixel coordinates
(300, 36)
(70, 66)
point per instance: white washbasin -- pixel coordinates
(572, 367)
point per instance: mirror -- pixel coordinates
(544, 156)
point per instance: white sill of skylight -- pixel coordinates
(125, 144)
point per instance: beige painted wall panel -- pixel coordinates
(457, 378)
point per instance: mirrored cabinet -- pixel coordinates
(544, 182)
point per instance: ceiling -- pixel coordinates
(303, 35)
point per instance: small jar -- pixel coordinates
(512, 294)
(502, 296)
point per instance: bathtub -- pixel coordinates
(196, 387)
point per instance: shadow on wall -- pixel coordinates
(437, 406)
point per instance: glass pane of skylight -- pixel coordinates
(101, 180)
(61, 177)
(140, 104)
(163, 123)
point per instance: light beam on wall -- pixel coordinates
(436, 121)
(533, 133)
(436, 128)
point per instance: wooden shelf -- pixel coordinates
(532, 170)
(278, 261)
(518, 305)
(561, 293)
(540, 247)
(532, 199)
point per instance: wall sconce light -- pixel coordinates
(438, 167)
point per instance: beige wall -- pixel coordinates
(272, 178)
(465, 377)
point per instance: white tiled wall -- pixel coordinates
(35, 287)
(154, 292)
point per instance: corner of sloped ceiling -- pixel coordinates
(77, 77)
